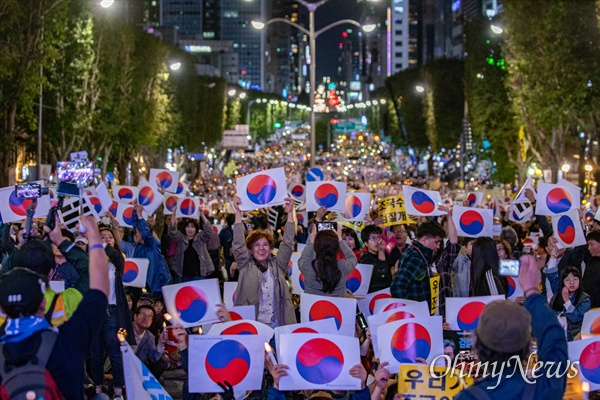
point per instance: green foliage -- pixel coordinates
(490, 110)
(551, 58)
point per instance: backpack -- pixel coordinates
(26, 379)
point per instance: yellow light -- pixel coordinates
(376, 138)
(360, 137)
(588, 168)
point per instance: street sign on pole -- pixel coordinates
(344, 126)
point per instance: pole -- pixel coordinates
(40, 108)
(313, 83)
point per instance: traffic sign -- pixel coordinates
(314, 174)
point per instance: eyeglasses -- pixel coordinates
(571, 280)
(146, 316)
(374, 238)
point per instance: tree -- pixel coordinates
(551, 58)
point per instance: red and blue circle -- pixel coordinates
(300, 219)
(471, 222)
(19, 206)
(353, 206)
(243, 328)
(558, 200)
(171, 203)
(399, 315)
(180, 188)
(261, 189)
(228, 360)
(378, 297)
(590, 362)
(323, 309)
(354, 280)
(114, 207)
(410, 341)
(164, 179)
(298, 191)
(422, 202)
(187, 207)
(471, 199)
(95, 201)
(235, 317)
(191, 304)
(468, 315)
(128, 216)
(125, 193)
(301, 281)
(146, 196)
(512, 286)
(319, 361)
(326, 195)
(130, 271)
(589, 216)
(566, 229)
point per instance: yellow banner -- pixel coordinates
(392, 211)
(434, 285)
(522, 144)
(416, 381)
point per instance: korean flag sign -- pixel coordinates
(14, 208)
(591, 322)
(125, 215)
(341, 310)
(188, 207)
(318, 361)
(262, 189)
(296, 276)
(124, 194)
(556, 199)
(405, 340)
(568, 230)
(237, 359)
(473, 222)
(328, 194)
(421, 202)
(587, 352)
(229, 293)
(243, 327)
(164, 179)
(357, 206)
(359, 279)
(149, 197)
(474, 199)
(193, 303)
(238, 313)
(367, 305)
(135, 272)
(320, 326)
(463, 313)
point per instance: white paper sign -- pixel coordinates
(242, 312)
(193, 303)
(462, 313)
(229, 293)
(328, 194)
(318, 361)
(367, 305)
(587, 352)
(359, 279)
(165, 179)
(262, 189)
(341, 310)
(237, 359)
(135, 272)
(243, 327)
(321, 326)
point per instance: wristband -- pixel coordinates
(525, 293)
(96, 246)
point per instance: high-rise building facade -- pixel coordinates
(236, 18)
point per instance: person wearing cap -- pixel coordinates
(22, 300)
(503, 335)
(82, 242)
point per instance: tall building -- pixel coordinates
(236, 17)
(398, 36)
(183, 16)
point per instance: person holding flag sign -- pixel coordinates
(325, 275)
(262, 275)
(192, 260)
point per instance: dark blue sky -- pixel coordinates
(327, 43)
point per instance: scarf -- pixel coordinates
(17, 329)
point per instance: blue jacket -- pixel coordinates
(158, 271)
(552, 347)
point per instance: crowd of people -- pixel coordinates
(83, 324)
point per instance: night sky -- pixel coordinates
(327, 44)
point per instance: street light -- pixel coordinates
(175, 66)
(231, 92)
(496, 29)
(106, 3)
(312, 36)
(419, 88)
